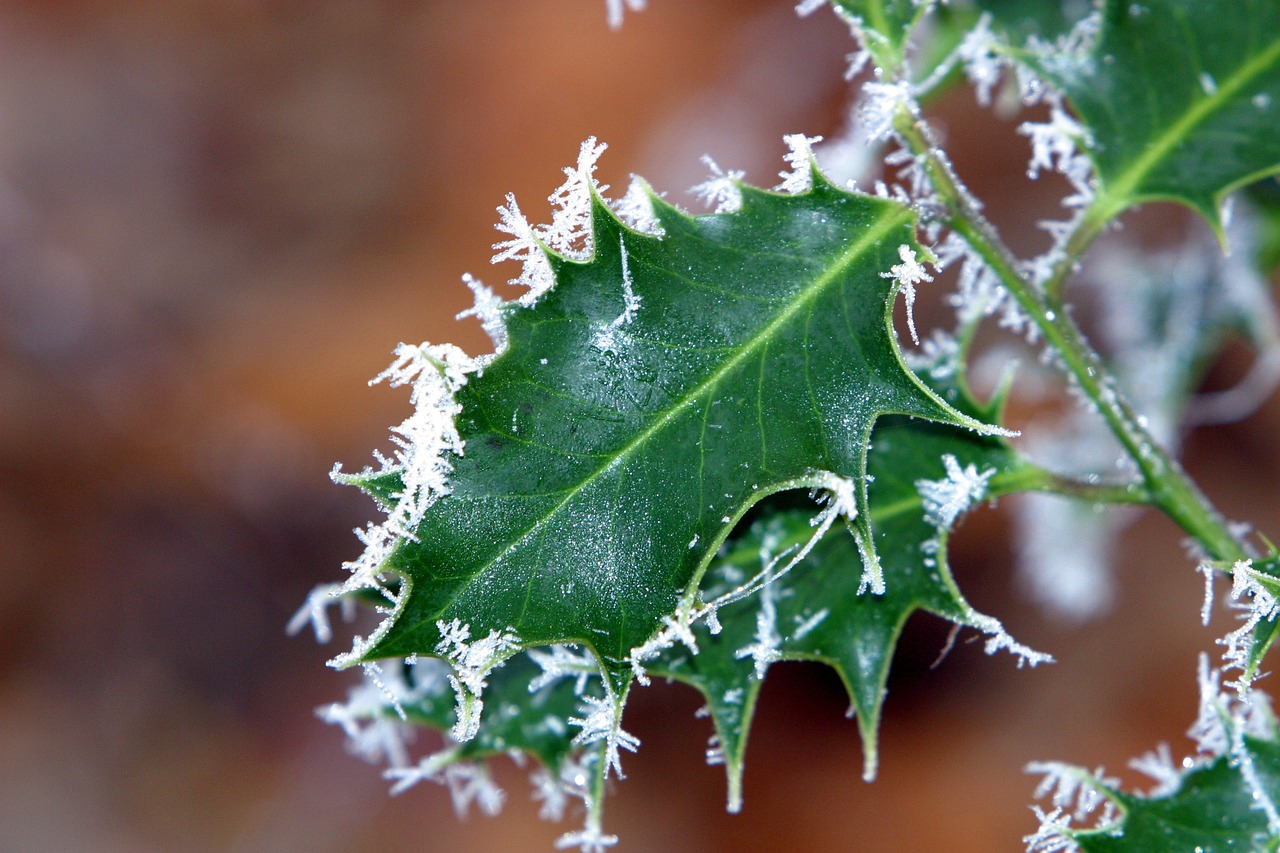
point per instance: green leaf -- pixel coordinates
(1181, 98)
(885, 24)
(516, 719)
(599, 478)
(816, 611)
(1264, 575)
(1020, 19)
(1214, 810)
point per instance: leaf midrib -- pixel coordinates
(854, 251)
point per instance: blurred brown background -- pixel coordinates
(218, 218)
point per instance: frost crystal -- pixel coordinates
(947, 499)
(1250, 595)
(1073, 583)
(908, 274)
(1073, 791)
(881, 103)
(1054, 834)
(604, 339)
(602, 723)
(983, 64)
(569, 232)
(999, 639)
(636, 208)
(939, 356)
(1056, 145)
(315, 611)
(488, 310)
(765, 649)
(426, 441)
(616, 9)
(720, 191)
(1158, 764)
(589, 839)
(468, 782)
(561, 662)
(523, 246)
(799, 178)
(472, 662)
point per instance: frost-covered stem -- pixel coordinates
(1088, 229)
(1169, 486)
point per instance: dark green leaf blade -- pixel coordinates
(1182, 99)
(599, 476)
(1212, 811)
(817, 611)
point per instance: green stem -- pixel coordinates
(1169, 487)
(1031, 478)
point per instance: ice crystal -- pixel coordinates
(589, 840)
(315, 611)
(765, 650)
(523, 246)
(799, 156)
(1158, 764)
(472, 661)
(468, 782)
(945, 500)
(426, 441)
(569, 232)
(720, 191)
(998, 639)
(601, 722)
(908, 274)
(488, 310)
(635, 208)
(1072, 790)
(570, 779)
(1074, 583)
(616, 9)
(1053, 835)
(939, 356)
(983, 63)
(1250, 595)
(605, 338)
(562, 662)
(881, 105)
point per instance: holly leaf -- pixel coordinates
(643, 404)
(1180, 99)
(1213, 810)
(885, 25)
(522, 714)
(816, 611)
(1262, 580)
(1020, 19)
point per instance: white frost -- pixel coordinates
(472, 662)
(488, 310)
(635, 208)
(315, 611)
(908, 274)
(605, 338)
(601, 723)
(945, 500)
(765, 650)
(799, 156)
(616, 9)
(720, 191)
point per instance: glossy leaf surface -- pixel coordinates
(601, 473)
